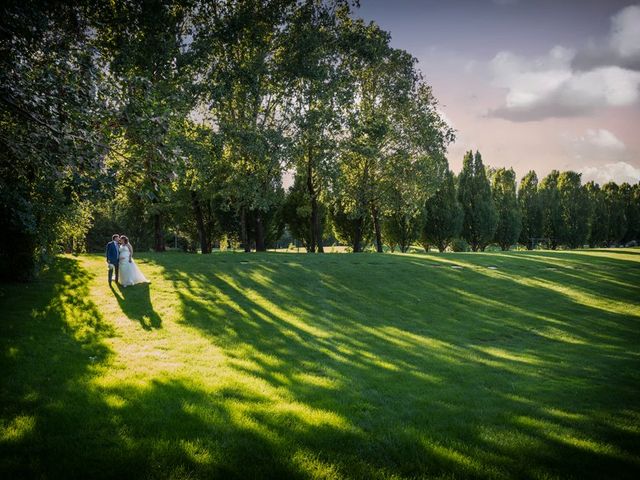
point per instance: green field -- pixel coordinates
(336, 366)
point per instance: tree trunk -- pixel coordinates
(158, 237)
(260, 243)
(357, 237)
(376, 227)
(244, 238)
(317, 227)
(197, 211)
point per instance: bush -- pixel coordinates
(459, 245)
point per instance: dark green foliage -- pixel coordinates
(52, 100)
(399, 229)
(574, 210)
(460, 245)
(297, 212)
(531, 209)
(442, 220)
(551, 209)
(631, 199)
(474, 193)
(143, 42)
(353, 231)
(503, 190)
(614, 205)
(598, 218)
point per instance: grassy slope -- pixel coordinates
(332, 366)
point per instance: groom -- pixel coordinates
(113, 255)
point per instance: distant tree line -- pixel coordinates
(175, 121)
(485, 206)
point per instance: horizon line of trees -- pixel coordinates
(484, 206)
(479, 207)
(170, 119)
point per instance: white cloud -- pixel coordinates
(625, 32)
(563, 83)
(618, 172)
(595, 147)
(546, 86)
(603, 139)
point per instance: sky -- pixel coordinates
(533, 84)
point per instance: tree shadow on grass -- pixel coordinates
(432, 380)
(135, 303)
(58, 421)
(434, 376)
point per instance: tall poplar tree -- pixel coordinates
(551, 209)
(474, 193)
(631, 200)
(503, 190)
(598, 220)
(442, 216)
(614, 205)
(574, 209)
(314, 62)
(531, 208)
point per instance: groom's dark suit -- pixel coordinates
(113, 256)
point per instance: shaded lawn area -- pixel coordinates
(333, 366)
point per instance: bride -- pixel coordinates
(130, 274)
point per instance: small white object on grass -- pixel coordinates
(492, 268)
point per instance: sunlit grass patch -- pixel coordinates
(334, 366)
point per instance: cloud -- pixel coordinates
(602, 139)
(618, 172)
(596, 147)
(620, 48)
(505, 2)
(553, 86)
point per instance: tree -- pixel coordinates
(614, 205)
(53, 143)
(574, 210)
(349, 230)
(631, 199)
(146, 43)
(598, 220)
(442, 216)
(381, 80)
(296, 212)
(551, 209)
(503, 190)
(531, 208)
(245, 92)
(474, 193)
(198, 203)
(315, 54)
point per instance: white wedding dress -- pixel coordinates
(129, 273)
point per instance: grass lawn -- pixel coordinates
(516, 365)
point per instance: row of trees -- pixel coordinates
(181, 116)
(177, 119)
(486, 206)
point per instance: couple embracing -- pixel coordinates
(120, 262)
